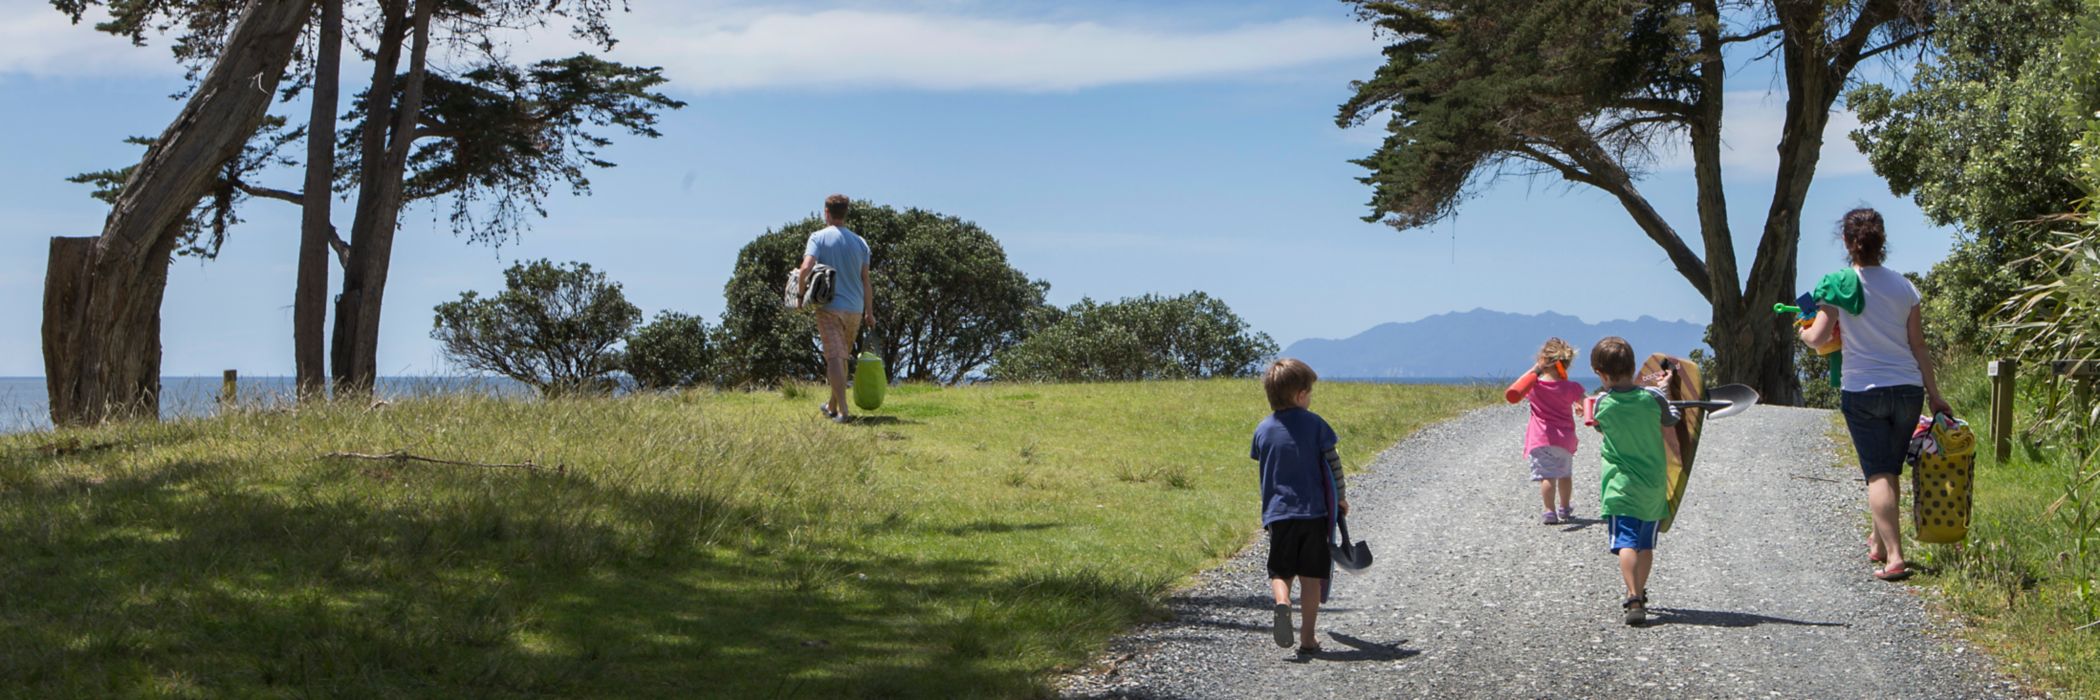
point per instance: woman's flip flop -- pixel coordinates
(1892, 574)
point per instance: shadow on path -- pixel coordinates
(1716, 618)
(1364, 650)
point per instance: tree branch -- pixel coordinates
(1753, 36)
(1893, 44)
(1613, 179)
(400, 456)
(1567, 170)
(1658, 105)
(341, 248)
(269, 193)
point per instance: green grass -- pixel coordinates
(960, 542)
(2013, 580)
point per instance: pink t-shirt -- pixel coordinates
(1553, 415)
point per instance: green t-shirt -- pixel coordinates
(1635, 474)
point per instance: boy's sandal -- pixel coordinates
(1282, 625)
(1896, 574)
(1305, 652)
(825, 409)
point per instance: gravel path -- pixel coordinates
(1760, 590)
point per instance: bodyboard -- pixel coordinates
(1682, 440)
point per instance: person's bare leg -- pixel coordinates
(1643, 561)
(1629, 568)
(835, 375)
(1281, 587)
(1546, 493)
(1883, 493)
(1567, 491)
(1309, 593)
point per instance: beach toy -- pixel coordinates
(1518, 389)
(1804, 311)
(1941, 480)
(870, 382)
(1354, 556)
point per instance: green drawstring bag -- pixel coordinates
(870, 380)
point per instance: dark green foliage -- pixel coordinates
(1471, 85)
(552, 327)
(946, 299)
(1151, 337)
(669, 352)
(499, 138)
(1983, 140)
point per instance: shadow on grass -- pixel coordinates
(872, 421)
(1716, 618)
(195, 578)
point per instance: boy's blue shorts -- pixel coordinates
(1630, 532)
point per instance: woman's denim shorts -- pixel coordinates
(1881, 420)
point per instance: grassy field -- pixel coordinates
(2013, 580)
(959, 542)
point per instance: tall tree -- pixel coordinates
(494, 138)
(1985, 139)
(102, 295)
(316, 229)
(1586, 90)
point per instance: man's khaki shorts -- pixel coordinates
(836, 330)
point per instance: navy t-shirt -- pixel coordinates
(1289, 445)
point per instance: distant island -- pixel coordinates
(1481, 344)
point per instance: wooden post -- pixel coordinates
(230, 389)
(2004, 374)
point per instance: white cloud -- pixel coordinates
(38, 41)
(721, 47)
(1751, 124)
(872, 49)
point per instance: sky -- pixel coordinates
(1115, 149)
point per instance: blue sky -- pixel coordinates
(1114, 151)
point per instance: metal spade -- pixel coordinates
(1354, 556)
(1724, 401)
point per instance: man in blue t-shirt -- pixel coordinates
(852, 298)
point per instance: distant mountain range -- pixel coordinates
(1481, 344)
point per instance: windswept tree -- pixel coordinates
(102, 295)
(491, 140)
(1590, 91)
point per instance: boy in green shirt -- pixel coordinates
(1635, 501)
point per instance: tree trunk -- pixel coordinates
(102, 296)
(386, 145)
(310, 297)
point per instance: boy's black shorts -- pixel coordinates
(1299, 548)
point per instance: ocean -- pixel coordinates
(25, 403)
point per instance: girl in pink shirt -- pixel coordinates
(1549, 442)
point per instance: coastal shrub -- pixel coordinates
(669, 352)
(1191, 336)
(553, 327)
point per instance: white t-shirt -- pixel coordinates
(1877, 341)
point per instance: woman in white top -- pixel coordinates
(1887, 375)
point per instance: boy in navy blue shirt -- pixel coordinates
(1301, 493)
